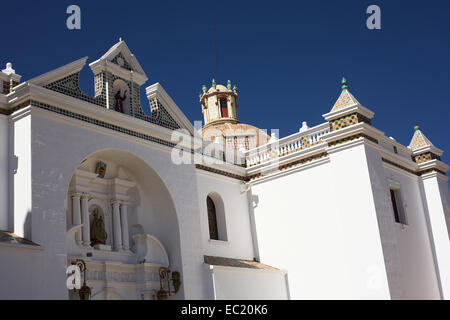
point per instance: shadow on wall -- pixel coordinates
(27, 226)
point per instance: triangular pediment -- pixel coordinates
(121, 55)
(166, 110)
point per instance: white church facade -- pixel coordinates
(157, 208)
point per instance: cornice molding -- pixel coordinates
(434, 164)
(284, 160)
(346, 111)
(59, 73)
(108, 66)
(431, 149)
(34, 92)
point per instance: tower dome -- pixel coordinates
(219, 108)
(219, 103)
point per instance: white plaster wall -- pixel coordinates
(407, 250)
(19, 276)
(239, 244)
(4, 173)
(445, 197)
(22, 178)
(58, 148)
(435, 190)
(248, 284)
(320, 225)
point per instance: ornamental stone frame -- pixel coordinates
(89, 190)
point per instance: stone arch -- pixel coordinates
(155, 213)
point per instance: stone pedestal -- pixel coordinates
(103, 247)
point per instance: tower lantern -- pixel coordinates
(219, 104)
(219, 108)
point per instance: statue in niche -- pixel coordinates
(119, 100)
(98, 233)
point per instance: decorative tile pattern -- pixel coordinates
(100, 123)
(425, 157)
(69, 86)
(345, 100)
(421, 158)
(5, 86)
(159, 115)
(419, 141)
(136, 99)
(223, 173)
(125, 64)
(305, 142)
(347, 139)
(348, 120)
(293, 164)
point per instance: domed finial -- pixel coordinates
(416, 127)
(9, 70)
(120, 39)
(229, 85)
(214, 83)
(344, 84)
(204, 89)
(235, 89)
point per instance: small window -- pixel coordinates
(399, 214)
(212, 219)
(224, 108)
(216, 217)
(395, 149)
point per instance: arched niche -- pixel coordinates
(121, 91)
(103, 213)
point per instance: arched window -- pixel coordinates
(212, 219)
(224, 107)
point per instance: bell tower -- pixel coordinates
(118, 78)
(219, 103)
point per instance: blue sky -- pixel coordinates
(286, 57)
